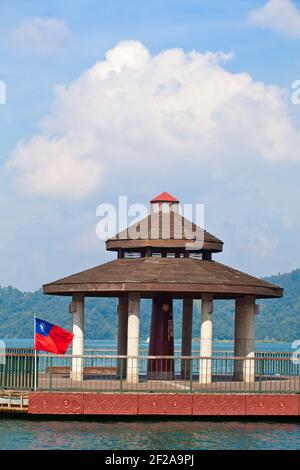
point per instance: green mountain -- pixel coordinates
(278, 318)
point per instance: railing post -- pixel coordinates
(47, 367)
(51, 368)
(191, 373)
(121, 362)
(260, 374)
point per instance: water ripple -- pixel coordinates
(151, 434)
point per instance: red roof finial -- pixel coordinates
(164, 197)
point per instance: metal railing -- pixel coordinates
(144, 352)
(146, 374)
(17, 368)
(195, 352)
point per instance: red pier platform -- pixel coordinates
(180, 404)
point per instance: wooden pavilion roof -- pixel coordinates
(165, 230)
(179, 276)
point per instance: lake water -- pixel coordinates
(154, 434)
(23, 432)
(107, 344)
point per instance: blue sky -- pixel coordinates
(243, 163)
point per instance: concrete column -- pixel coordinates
(244, 342)
(186, 341)
(78, 340)
(205, 372)
(133, 334)
(122, 336)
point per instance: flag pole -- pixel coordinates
(35, 355)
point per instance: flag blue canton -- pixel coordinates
(42, 327)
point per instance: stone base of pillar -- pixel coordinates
(132, 371)
(238, 373)
(244, 345)
(244, 370)
(121, 369)
(249, 369)
(205, 371)
(77, 369)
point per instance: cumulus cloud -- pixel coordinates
(55, 167)
(279, 15)
(42, 35)
(134, 113)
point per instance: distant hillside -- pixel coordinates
(279, 319)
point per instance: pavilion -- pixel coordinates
(164, 263)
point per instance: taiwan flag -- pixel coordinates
(51, 338)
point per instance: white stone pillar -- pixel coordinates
(133, 335)
(78, 340)
(186, 341)
(122, 336)
(244, 338)
(205, 369)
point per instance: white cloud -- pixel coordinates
(55, 167)
(279, 15)
(42, 35)
(134, 114)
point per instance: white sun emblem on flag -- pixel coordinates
(42, 326)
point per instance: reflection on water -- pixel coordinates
(20, 433)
